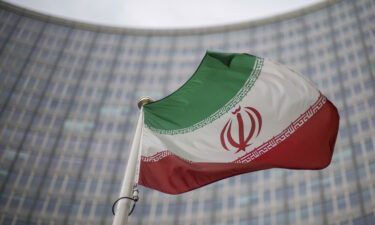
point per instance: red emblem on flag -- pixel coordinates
(241, 133)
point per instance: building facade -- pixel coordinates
(68, 95)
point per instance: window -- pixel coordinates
(369, 145)
(289, 192)
(217, 204)
(87, 208)
(267, 196)
(371, 102)
(350, 174)
(231, 201)
(254, 221)
(7, 221)
(361, 107)
(20, 222)
(357, 88)
(102, 209)
(64, 208)
(315, 184)
(146, 209)
(341, 204)
(35, 182)
(291, 216)
(317, 209)
(106, 187)
(159, 209)
(366, 195)
(365, 125)
(302, 188)
(357, 148)
(267, 219)
(328, 206)
(172, 208)
(14, 203)
(338, 179)
(354, 199)
(207, 206)
(279, 193)
(280, 218)
(372, 166)
(93, 186)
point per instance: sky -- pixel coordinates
(163, 14)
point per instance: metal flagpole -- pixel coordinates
(121, 217)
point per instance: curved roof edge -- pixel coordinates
(164, 32)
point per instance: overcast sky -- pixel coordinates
(163, 13)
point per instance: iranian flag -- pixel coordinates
(238, 113)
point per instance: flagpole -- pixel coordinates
(123, 206)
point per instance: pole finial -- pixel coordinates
(143, 101)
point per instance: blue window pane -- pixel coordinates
(315, 184)
(195, 206)
(341, 204)
(172, 209)
(102, 210)
(87, 208)
(51, 205)
(159, 209)
(372, 166)
(371, 102)
(279, 193)
(291, 216)
(280, 218)
(354, 199)
(267, 196)
(350, 174)
(370, 219)
(24, 223)
(244, 222)
(369, 145)
(15, 202)
(39, 205)
(357, 88)
(289, 192)
(302, 188)
(359, 221)
(338, 179)
(365, 125)
(328, 206)
(27, 203)
(317, 209)
(231, 201)
(146, 209)
(207, 206)
(64, 207)
(7, 221)
(218, 204)
(182, 207)
(366, 195)
(267, 219)
(254, 221)
(3, 200)
(358, 148)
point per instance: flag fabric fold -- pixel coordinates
(238, 113)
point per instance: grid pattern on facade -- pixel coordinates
(68, 109)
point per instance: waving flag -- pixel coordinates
(238, 113)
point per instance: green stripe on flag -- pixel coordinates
(219, 83)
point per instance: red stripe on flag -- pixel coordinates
(309, 147)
